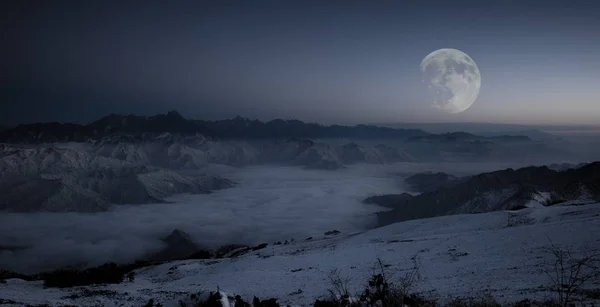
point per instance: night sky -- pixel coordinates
(321, 61)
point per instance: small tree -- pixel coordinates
(569, 274)
(339, 288)
(380, 291)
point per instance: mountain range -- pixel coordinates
(173, 122)
(70, 180)
(507, 189)
(128, 159)
(244, 137)
(464, 136)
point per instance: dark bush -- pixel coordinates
(530, 303)
(109, 273)
(417, 300)
(105, 274)
(90, 293)
(239, 302)
(335, 303)
(201, 254)
(150, 303)
(214, 300)
(272, 302)
(485, 300)
(332, 232)
(518, 207)
(260, 246)
(6, 274)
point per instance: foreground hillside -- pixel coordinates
(501, 253)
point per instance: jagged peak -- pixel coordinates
(174, 114)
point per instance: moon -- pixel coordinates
(453, 79)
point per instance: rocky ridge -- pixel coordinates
(54, 179)
(500, 190)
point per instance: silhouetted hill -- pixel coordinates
(499, 190)
(533, 134)
(242, 128)
(45, 132)
(137, 127)
(486, 129)
(464, 136)
(428, 182)
(172, 122)
(389, 200)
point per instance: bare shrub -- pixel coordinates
(381, 292)
(339, 284)
(151, 303)
(569, 273)
(339, 292)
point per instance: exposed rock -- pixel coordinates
(332, 233)
(230, 250)
(260, 246)
(179, 245)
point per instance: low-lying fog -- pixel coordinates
(268, 204)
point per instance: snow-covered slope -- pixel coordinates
(500, 252)
(190, 153)
(195, 152)
(74, 179)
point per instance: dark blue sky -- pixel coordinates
(324, 61)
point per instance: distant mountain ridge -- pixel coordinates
(170, 140)
(141, 127)
(465, 136)
(498, 190)
(111, 125)
(239, 127)
(535, 132)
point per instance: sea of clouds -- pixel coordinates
(267, 204)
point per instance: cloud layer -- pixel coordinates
(268, 204)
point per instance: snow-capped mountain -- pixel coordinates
(173, 141)
(135, 159)
(192, 153)
(66, 179)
